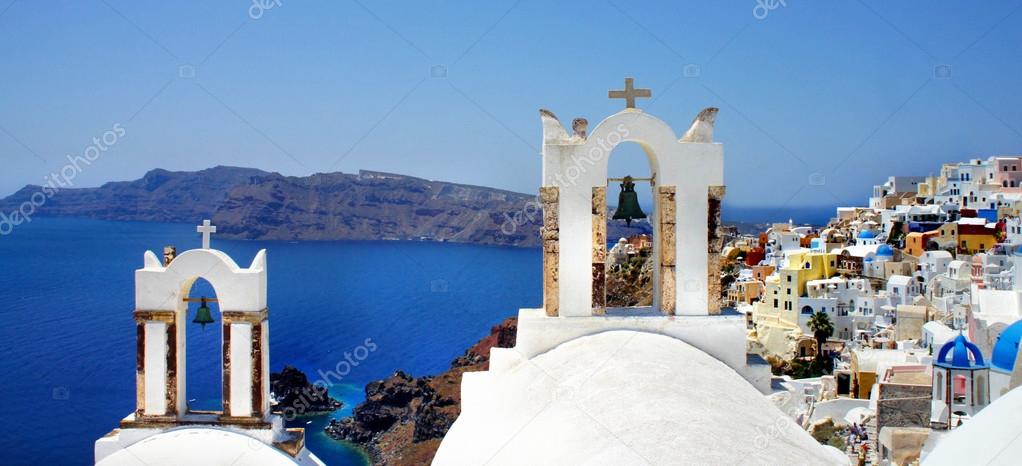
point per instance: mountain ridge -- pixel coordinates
(249, 203)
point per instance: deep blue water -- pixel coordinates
(67, 337)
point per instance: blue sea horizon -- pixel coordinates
(68, 337)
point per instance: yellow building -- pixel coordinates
(779, 303)
(975, 238)
(929, 187)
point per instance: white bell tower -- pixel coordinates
(161, 320)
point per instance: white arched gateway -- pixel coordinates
(162, 426)
(688, 179)
(552, 398)
(161, 315)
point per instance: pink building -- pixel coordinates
(1007, 172)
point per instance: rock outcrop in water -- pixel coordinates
(404, 418)
(293, 395)
(247, 203)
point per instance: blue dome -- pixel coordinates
(1018, 250)
(1006, 347)
(867, 235)
(885, 250)
(961, 348)
(868, 259)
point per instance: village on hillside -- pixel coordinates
(899, 321)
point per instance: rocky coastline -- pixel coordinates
(294, 396)
(404, 418)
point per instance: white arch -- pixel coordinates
(162, 288)
(576, 164)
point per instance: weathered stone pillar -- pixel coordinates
(667, 209)
(550, 197)
(225, 360)
(715, 243)
(155, 365)
(599, 250)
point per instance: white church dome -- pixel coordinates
(205, 446)
(623, 397)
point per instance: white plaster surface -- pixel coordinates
(155, 368)
(577, 165)
(241, 369)
(993, 436)
(722, 337)
(237, 289)
(623, 397)
(196, 446)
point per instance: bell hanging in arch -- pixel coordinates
(628, 203)
(202, 315)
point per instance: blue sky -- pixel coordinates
(846, 92)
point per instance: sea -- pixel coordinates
(67, 336)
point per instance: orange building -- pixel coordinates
(915, 242)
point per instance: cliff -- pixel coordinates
(247, 203)
(403, 418)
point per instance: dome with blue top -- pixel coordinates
(885, 250)
(867, 235)
(1006, 348)
(1017, 250)
(959, 350)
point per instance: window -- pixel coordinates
(807, 310)
(789, 278)
(775, 303)
(938, 387)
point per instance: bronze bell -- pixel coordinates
(202, 315)
(628, 203)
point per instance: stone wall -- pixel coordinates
(599, 250)
(550, 196)
(903, 406)
(668, 248)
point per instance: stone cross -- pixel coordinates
(629, 93)
(206, 229)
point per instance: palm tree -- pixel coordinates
(822, 329)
